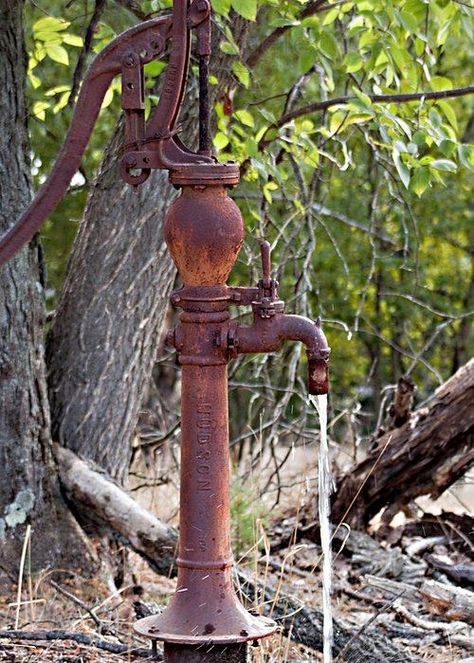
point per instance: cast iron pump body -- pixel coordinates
(204, 232)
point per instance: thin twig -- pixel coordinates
(79, 70)
(20, 574)
(78, 602)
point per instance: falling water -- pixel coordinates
(326, 487)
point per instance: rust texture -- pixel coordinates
(205, 620)
(204, 232)
(206, 654)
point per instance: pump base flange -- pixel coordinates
(234, 627)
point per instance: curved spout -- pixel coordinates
(268, 335)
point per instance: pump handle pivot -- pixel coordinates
(147, 146)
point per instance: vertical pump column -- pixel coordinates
(205, 621)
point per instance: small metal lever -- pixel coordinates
(267, 304)
(266, 255)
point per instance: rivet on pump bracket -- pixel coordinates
(203, 229)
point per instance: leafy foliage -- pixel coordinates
(367, 199)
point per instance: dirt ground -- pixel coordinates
(101, 612)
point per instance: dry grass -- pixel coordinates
(37, 605)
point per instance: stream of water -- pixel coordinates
(326, 487)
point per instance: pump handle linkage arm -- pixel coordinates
(154, 145)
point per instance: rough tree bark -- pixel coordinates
(107, 326)
(426, 455)
(29, 489)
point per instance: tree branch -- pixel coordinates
(79, 70)
(310, 10)
(375, 98)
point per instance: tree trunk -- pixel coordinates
(106, 330)
(426, 455)
(29, 490)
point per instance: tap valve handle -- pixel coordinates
(267, 303)
(266, 255)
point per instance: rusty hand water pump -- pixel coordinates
(205, 620)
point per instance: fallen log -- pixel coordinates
(425, 456)
(305, 625)
(81, 639)
(88, 488)
(453, 603)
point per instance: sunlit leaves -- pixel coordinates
(52, 40)
(241, 72)
(246, 8)
(51, 33)
(420, 181)
(402, 168)
(57, 53)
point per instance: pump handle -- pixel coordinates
(155, 145)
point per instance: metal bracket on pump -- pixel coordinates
(154, 144)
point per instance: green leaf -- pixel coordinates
(328, 45)
(420, 181)
(408, 21)
(73, 40)
(108, 97)
(447, 147)
(57, 89)
(440, 83)
(363, 98)
(220, 141)
(444, 164)
(49, 37)
(39, 109)
(353, 62)
(62, 102)
(449, 113)
(241, 72)
(358, 118)
(228, 48)
(154, 68)
(337, 121)
(245, 117)
(402, 168)
(221, 6)
(57, 53)
(34, 80)
(331, 16)
(267, 189)
(246, 8)
(466, 155)
(50, 24)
